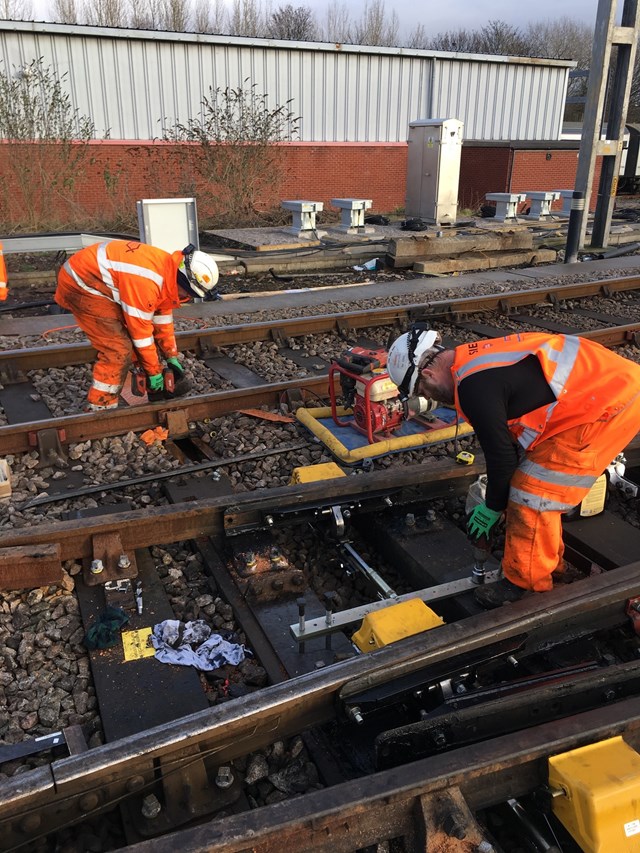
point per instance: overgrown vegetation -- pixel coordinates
(235, 153)
(45, 144)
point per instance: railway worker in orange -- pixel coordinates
(550, 411)
(122, 294)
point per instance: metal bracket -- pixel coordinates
(343, 327)
(176, 422)
(279, 339)
(49, 444)
(117, 564)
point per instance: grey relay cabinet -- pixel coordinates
(433, 169)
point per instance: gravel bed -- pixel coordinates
(45, 680)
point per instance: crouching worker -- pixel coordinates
(551, 412)
(122, 294)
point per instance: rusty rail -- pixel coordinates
(176, 414)
(205, 340)
(64, 792)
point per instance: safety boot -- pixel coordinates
(501, 592)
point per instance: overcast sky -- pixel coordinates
(440, 15)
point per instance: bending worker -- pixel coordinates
(551, 412)
(122, 294)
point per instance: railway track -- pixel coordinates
(192, 761)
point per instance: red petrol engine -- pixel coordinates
(368, 391)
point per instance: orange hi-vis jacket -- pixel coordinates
(569, 442)
(142, 281)
(578, 370)
(4, 289)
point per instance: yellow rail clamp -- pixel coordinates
(394, 623)
(599, 803)
(465, 458)
(313, 473)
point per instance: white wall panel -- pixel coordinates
(135, 84)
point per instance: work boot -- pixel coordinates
(501, 592)
(96, 407)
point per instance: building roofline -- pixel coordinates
(83, 30)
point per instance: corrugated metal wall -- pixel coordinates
(134, 84)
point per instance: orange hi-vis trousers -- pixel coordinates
(4, 288)
(103, 324)
(553, 478)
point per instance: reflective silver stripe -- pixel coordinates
(527, 437)
(139, 343)
(162, 319)
(69, 269)
(104, 265)
(495, 359)
(565, 362)
(136, 312)
(557, 478)
(134, 269)
(103, 386)
(537, 503)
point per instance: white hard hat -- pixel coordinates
(405, 354)
(198, 272)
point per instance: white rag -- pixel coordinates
(173, 641)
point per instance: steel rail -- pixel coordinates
(22, 437)
(232, 513)
(70, 788)
(392, 804)
(205, 340)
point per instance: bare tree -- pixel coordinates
(563, 38)
(374, 27)
(16, 10)
(418, 38)
(337, 23)
(106, 13)
(207, 19)
(295, 23)
(499, 38)
(145, 14)
(247, 19)
(65, 11)
(175, 15)
(456, 41)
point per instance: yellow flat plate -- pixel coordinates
(135, 644)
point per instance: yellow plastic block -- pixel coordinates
(5, 480)
(394, 623)
(601, 808)
(313, 473)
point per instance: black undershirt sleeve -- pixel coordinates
(489, 399)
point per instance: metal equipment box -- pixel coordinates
(600, 800)
(433, 170)
(393, 623)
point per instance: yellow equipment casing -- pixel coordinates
(393, 623)
(601, 806)
(313, 473)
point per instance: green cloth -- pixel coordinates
(105, 631)
(156, 382)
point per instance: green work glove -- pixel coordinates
(481, 522)
(156, 382)
(175, 365)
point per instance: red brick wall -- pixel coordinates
(483, 170)
(114, 175)
(549, 170)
